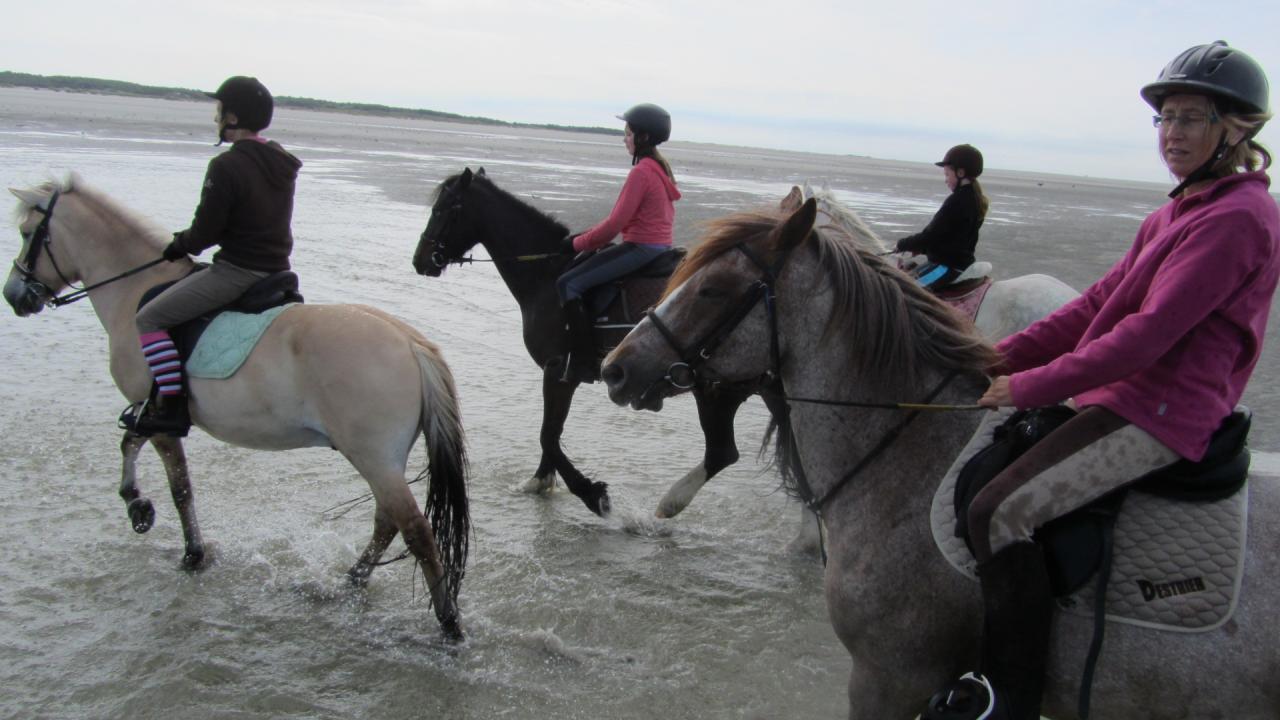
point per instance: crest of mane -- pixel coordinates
(528, 212)
(106, 211)
(895, 328)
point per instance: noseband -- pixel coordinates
(438, 259)
(690, 370)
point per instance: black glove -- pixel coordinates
(566, 245)
(172, 252)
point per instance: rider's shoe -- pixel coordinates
(169, 416)
(969, 698)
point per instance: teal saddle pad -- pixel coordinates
(227, 342)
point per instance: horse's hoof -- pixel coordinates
(193, 559)
(597, 499)
(539, 485)
(142, 514)
(358, 579)
(451, 628)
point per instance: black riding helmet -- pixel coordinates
(248, 99)
(649, 120)
(1216, 70)
(963, 157)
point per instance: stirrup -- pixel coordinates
(145, 420)
(969, 698)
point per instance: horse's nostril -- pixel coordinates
(612, 374)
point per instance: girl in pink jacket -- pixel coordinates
(644, 214)
(1154, 355)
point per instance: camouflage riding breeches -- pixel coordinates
(1090, 455)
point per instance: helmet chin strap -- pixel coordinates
(1205, 171)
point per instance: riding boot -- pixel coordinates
(1018, 609)
(1018, 605)
(582, 363)
(166, 415)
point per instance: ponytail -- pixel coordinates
(650, 151)
(983, 201)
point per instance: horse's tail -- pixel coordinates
(447, 506)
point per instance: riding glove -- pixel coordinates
(566, 245)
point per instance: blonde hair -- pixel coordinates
(1248, 153)
(983, 201)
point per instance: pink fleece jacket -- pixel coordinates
(643, 213)
(1168, 338)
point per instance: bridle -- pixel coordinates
(39, 240)
(690, 370)
(439, 260)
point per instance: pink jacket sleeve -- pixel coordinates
(633, 191)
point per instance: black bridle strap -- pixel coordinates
(83, 292)
(875, 405)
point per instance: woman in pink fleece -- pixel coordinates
(644, 214)
(1154, 355)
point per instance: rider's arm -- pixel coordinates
(939, 230)
(213, 212)
(639, 182)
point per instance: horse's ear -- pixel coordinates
(30, 198)
(798, 227)
(791, 202)
(480, 172)
(464, 180)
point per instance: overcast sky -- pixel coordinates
(1047, 87)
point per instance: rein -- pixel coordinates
(40, 240)
(689, 371)
(440, 260)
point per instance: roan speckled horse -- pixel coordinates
(839, 323)
(350, 377)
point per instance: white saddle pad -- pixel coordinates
(1176, 565)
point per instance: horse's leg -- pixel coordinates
(175, 466)
(716, 412)
(556, 400)
(142, 514)
(808, 540)
(384, 531)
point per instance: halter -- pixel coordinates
(688, 372)
(39, 240)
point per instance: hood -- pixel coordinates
(278, 165)
(673, 192)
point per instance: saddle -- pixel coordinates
(270, 292)
(615, 307)
(1074, 544)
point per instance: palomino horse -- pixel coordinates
(838, 323)
(350, 377)
(1009, 306)
(469, 209)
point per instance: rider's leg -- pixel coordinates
(1091, 455)
(609, 264)
(191, 297)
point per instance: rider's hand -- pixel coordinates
(172, 252)
(566, 245)
(998, 395)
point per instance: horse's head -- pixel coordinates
(448, 234)
(834, 214)
(717, 321)
(36, 276)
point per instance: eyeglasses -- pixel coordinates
(1186, 122)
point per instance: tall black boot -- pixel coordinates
(582, 364)
(1016, 627)
(1018, 606)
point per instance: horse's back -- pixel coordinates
(1012, 305)
(320, 373)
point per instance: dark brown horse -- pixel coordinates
(469, 210)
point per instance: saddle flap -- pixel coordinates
(276, 289)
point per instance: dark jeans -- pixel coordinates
(609, 264)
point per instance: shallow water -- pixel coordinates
(568, 615)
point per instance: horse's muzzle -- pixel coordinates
(25, 298)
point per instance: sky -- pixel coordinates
(1037, 86)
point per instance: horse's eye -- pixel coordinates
(712, 293)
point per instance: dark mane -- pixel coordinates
(526, 211)
(895, 328)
